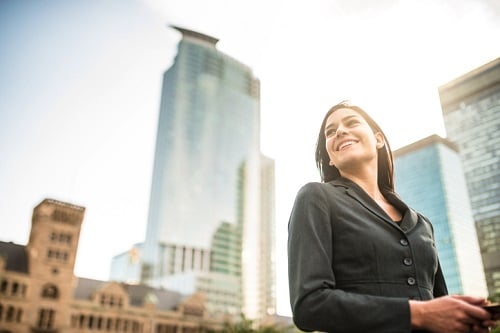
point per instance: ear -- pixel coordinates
(331, 163)
(380, 140)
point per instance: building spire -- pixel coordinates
(196, 35)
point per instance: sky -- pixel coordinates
(80, 88)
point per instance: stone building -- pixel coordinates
(39, 292)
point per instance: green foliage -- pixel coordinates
(245, 325)
(495, 298)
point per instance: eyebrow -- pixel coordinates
(343, 119)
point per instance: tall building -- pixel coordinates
(258, 274)
(209, 211)
(430, 178)
(471, 111)
(40, 293)
(126, 266)
(267, 226)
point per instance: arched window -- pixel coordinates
(23, 289)
(109, 324)
(19, 315)
(3, 286)
(15, 288)
(10, 314)
(82, 320)
(50, 291)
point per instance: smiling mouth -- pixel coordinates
(345, 145)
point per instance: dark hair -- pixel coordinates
(385, 177)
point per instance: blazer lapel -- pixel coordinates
(410, 217)
(353, 190)
(358, 194)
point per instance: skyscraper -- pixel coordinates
(259, 295)
(429, 177)
(208, 209)
(471, 111)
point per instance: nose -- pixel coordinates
(341, 131)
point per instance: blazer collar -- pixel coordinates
(353, 190)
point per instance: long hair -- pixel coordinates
(385, 176)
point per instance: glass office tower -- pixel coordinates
(471, 111)
(206, 191)
(429, 177)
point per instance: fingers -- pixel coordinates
(476, 314)
(471, 299)
(485, 326)
(479, 329)
(472, 308)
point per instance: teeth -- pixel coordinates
(345, 144)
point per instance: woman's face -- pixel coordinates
(350, 141)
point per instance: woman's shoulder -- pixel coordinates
(337, 184)
(317, 189)
(314, 187)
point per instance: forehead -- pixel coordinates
(339, 115)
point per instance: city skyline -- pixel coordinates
(72, 71)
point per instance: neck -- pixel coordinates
(367, 180)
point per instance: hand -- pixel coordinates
(451, 314)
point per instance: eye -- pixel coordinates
(330, 132)
(352, 122)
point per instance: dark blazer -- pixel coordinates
(351, 268)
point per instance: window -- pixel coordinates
(50, 291)
(110, 300)
(46, 318)
(9, 316)
(62, 237)
(166, 328)
(57, 255)
(3, 286)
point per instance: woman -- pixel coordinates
(360, 259)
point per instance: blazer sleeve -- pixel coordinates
(440, 288)
(317, 305)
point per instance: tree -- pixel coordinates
(245, 325)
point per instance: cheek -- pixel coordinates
(329, 147)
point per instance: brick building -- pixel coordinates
(39, 292)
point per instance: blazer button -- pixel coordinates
(403, 242)
(407, 261)
(411, 281)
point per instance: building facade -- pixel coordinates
(207, 180)
(430, 178)
(471, 112)
(126, 266)
(40, 294)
